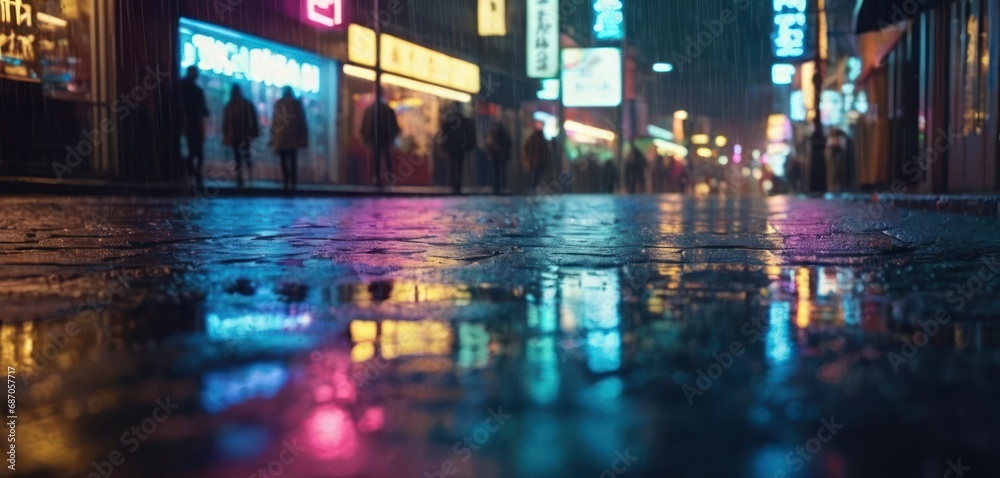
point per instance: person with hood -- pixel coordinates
(239, 129)
(289, 133)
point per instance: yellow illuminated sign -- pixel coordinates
(492, 18)
(412, 60)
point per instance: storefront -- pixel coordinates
(53, 85)
(931, 76)
(420, 85)
(262, 68)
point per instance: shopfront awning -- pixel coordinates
(875, 15)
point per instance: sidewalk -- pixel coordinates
(972, 204)
(15, 185)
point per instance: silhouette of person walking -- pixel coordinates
(194, 110)
(240, 128)
(379, 137)
(289, 133)
(537, 156)
(499, 146)
(459, 140)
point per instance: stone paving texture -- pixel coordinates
(648, 336)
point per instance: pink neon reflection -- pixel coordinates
(373, 420)
(331, 433)
(314, 7)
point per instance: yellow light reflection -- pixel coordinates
(363, 330)
(405, 338)
(803, 313)
(363, 352)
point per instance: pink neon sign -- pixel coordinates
(325, 12)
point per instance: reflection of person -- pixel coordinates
(289, 133)
(194, 110)
(459, 139)
(380, 137)
(537, 155)
(499, 146)
(240, 128)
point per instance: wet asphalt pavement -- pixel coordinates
(576, 336)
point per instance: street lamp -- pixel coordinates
(663, 67)
(681, 115)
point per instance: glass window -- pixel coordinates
(48, 42)
(262, 69)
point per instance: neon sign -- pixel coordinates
(543, 38)
(492, 18)
(325, 12)
(790, 28)
(609, 21)
(259, 65)
(782, 73)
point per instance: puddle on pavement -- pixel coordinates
(351, 370)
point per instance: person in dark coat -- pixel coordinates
(289, 133)
(379, 137)
(537, 156)
(458, 139)
(636, 171)
(194, 110)
(239, 129)
(499, 147)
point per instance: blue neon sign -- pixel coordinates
(789, 39)
(609, 19)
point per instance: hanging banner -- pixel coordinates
(543, 38)
(492, 18)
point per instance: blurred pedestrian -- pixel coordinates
(836, 161)
(635, 171)
(289, 133)
(194, 110)
(240, 128)
(381, 136)
(679, 175)
(458, 139)
(499, 145)
(537, 156)
(793, 174)
(660, 171)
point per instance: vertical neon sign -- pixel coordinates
(543, 38)
(789, 39)
(325, 12)
(609, 20)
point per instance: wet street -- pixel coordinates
(576, 336)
